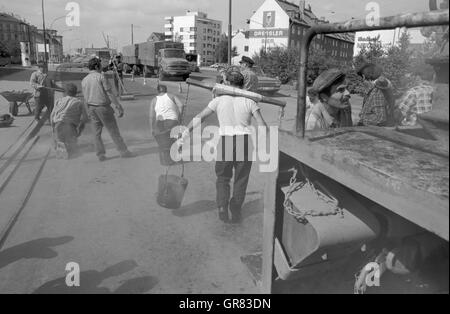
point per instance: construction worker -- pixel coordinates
(166, 112)
(98, 97)
(68, 120)
(117, 67)
(250, 77)
(234, 115)
(43, 95)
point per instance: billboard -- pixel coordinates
(269, 33)
(269, 19)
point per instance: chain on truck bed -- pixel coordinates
(301, 214)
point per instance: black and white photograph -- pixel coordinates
(222, 152)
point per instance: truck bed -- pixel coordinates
(405, 174)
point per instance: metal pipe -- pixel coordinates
(230, 31)
(406, 20)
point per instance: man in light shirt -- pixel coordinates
(98, 97)
(234, 115)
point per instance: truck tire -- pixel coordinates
(13, 108)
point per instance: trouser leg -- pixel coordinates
(97, 126)
(67, 134)
(110, 123)
(39, 104)
(224, 173)
(241, 176)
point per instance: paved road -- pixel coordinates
(104, 216)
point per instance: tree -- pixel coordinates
(221, 52)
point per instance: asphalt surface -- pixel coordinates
(104, 216)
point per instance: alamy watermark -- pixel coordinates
(210, 145)
(73, 275)
(73, 16)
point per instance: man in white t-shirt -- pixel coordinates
(234, 115)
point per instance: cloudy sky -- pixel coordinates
(114, 17)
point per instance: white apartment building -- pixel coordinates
(197, 32)
(241, 42)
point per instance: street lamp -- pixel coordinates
(58, 18)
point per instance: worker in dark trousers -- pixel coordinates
(234, 115)
(43, 95)
(98, 98)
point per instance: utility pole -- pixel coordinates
(45, 37)
(132, 35)
(230, 30)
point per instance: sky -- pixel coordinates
(114, 17)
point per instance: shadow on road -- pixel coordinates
(91, 280)
(41, 248)
(195, 208)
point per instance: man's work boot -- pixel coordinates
(61, 151)
(127, 154)
(223, 214)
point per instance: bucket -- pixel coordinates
(171, 190)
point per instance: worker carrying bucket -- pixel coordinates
(166, 112)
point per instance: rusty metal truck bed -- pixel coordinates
(407, 175)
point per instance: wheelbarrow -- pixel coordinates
(6, 120)
(16, 99)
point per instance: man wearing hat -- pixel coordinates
(378, 104)
(334, 108)
(250, 77)
(234, 151)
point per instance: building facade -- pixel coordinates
(13, 31)
(279, 23)
(241, 42)
(198, 33)
(54, 45)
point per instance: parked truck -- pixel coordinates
(162, 58)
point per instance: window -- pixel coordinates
(193, 29)
(246, 48)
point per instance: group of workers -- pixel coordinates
(328, 107)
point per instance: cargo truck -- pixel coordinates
(162, 58)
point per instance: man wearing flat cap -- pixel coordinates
(378, 104)
(250, 77)
(333, 109)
